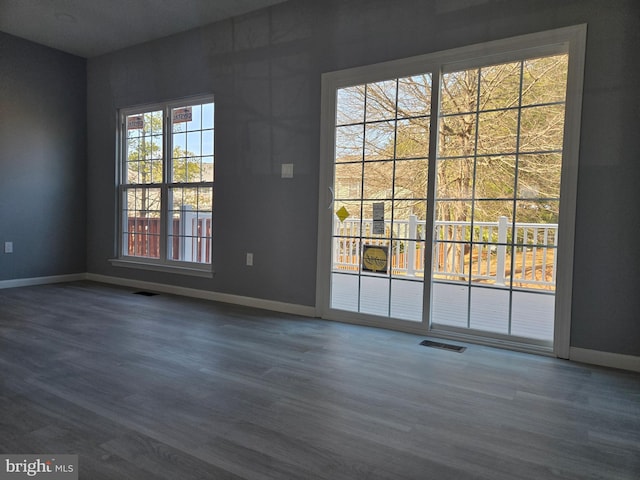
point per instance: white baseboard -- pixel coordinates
(272, 305)
(583, 355)
(605, 359)
(28, 282)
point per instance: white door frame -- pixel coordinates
(573, 40)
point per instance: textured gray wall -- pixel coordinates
(42, 160)
(264, 69)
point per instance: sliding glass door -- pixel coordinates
(450, 184)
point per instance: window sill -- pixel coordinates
(205, 272)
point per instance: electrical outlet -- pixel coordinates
(8, 247)
(250, 259)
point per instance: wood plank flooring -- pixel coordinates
(165, 387)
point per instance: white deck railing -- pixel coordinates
(489, 259)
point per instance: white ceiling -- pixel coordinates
(93, 27)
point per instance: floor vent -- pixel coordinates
(145, 294)
(444, 346)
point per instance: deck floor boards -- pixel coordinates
(532, 312)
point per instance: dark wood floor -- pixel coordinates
(170, 388)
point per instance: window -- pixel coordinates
(166, 185)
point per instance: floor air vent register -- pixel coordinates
(443, 346)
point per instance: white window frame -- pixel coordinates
(571, 40)
(163, 263)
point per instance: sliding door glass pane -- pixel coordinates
(380, 192)
(497, 196)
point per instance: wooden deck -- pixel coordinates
(532, 311)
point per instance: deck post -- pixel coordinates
(411, 247)
(501, 250)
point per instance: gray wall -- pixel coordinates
(42, 160)
(264, 69)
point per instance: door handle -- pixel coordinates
(332, 198)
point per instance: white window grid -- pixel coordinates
(180, 235)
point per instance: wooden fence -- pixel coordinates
(190, 240)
